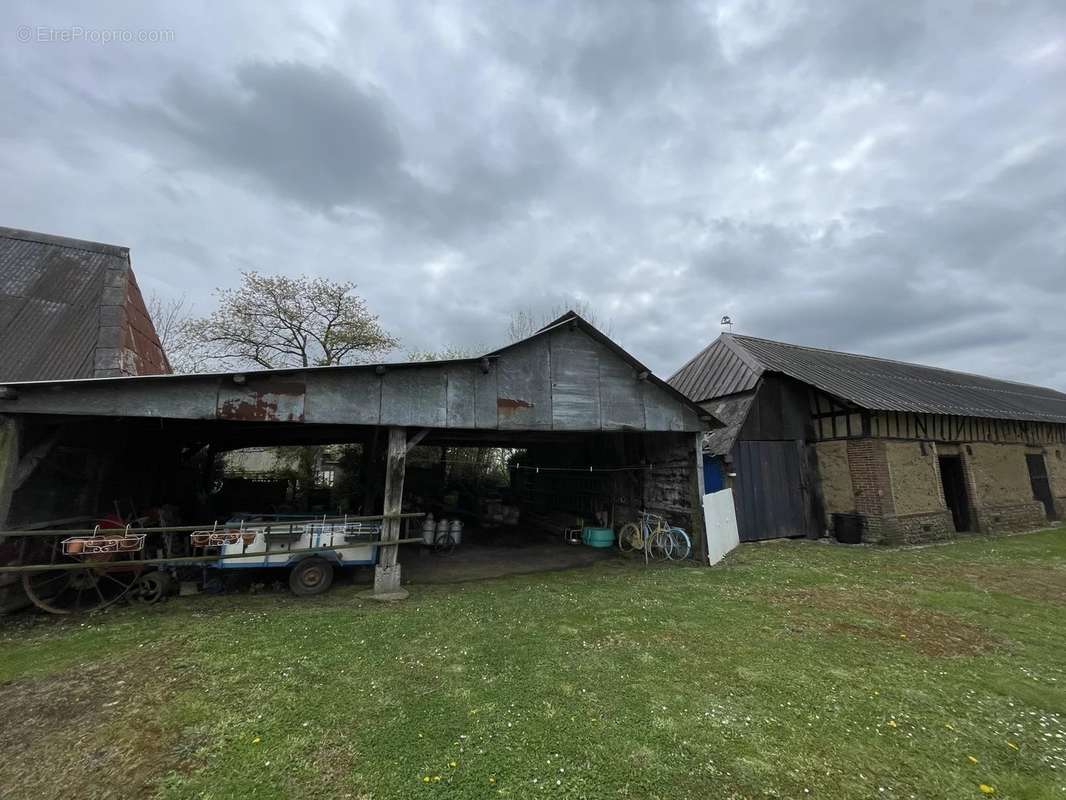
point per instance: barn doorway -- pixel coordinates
(953, 480)
(1039, 481)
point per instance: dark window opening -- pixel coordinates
(954, 482)
(1039, 481)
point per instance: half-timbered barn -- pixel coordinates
(873, 449)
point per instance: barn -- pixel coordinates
(870, 449)
(592, 436)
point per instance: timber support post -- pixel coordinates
(387, 573)
(9, 465)
(698, 490)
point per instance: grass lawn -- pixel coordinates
(795, 670)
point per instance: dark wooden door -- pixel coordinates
(953, 479)
(1038, 479)
(771, 490)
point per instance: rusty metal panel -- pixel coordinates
(661, 411)
(486, 413)
(575, 381)
(415, 396)
(344, 397)
(461, 395)
(621, 394)
(262, 399)
(195, 399)
(523, 398)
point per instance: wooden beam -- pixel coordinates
(387, 574)
(29, 462)
(10, 428)
(418, 437)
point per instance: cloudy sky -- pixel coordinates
(887, 178)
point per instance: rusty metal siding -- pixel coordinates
(262, 400)
(486, 392)
(594, 389)
(575, 378)
(461, 388)
(342, 397)
(416, 397)
(523, 400)
(621, 398)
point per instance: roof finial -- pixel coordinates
(727, 320)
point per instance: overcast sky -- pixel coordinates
(881, 177)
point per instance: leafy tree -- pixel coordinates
(275, 321)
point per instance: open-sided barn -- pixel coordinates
(600, 436)
(883, 450)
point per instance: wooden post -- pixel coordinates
(387, 574)
(9, 465)
(11, 595)
(699, 522)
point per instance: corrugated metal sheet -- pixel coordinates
(878, 384)
(715, 371)
(51, 292)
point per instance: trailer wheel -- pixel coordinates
(310, 577)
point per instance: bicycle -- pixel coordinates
(654, 536)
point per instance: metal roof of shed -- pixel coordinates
(71, 309)
(565, 377)
(734, 363)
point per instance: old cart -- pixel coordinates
(67, 572)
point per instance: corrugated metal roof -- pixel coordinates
(879, 384)
(51, 292)
(715, 371)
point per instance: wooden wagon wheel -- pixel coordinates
(94, 585)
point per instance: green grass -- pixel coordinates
(796, 669)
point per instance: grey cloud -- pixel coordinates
(881, 177)
(312, 134)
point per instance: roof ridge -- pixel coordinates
(892, 361)
(64, 241)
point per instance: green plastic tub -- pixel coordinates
(598, 537)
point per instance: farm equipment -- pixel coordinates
(69, 572)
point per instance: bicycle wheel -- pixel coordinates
(444, 544)
(661, 545)
(682, 544)
(630, 538)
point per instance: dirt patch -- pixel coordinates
(91, 731)
(856, 613)
(1040, 584)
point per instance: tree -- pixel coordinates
(275, 321)
(171, 318)
(525, 323)
(446, 353)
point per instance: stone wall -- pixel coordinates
(937, 526)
